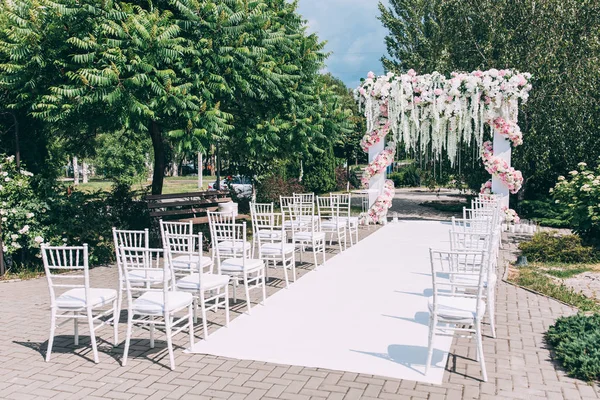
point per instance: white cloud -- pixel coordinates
(353, 33)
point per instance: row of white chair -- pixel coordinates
(464, 278)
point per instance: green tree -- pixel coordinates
(557, 41)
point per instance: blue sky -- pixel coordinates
(353, 33)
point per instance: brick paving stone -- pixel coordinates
(518, 360)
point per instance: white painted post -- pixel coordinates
(200, 171)
(503, 150)
(376, 183)
(75, 172)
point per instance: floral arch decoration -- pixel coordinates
(436, 112)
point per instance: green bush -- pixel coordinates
(545, 212)
(407, 176)
(549, 247)
(576, 342)
(270, 188)
(582, 195)
(319, 173)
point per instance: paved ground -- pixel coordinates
(407, 203)
(518, 361)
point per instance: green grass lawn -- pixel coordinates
(172, 184)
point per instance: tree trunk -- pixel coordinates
(159, 158)
(75, 172)
(84, 170)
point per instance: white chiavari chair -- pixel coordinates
(305, 232)
(154, 303)
(456, 306)
(210, 290)
(303, 197)
(329, 220)
(79, 301)
(128, 238)
(232, 252)
(274, 248)
(184, 257)
(264, 222)
(344, 201)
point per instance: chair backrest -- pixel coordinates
(303, 217)
(230, 241)
(466, 240)
(304, 197)
(62, 259)
(263, 215)
(344, 203)
(138, 267)
(129, 238)
(177, 228)
(328, 208)
(447, 267)
(472, 225)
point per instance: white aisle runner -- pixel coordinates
(365, 311)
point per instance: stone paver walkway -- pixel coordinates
(518, 360)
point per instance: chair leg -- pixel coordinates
(151, 332)
(235, 284)
(191, 325)
(264, 289)
(339, 236)
(247, 289)
(169, 340)
(75, 329)
(227, 305)
(492, 310)
(285, 272)
(294, 266)
(115, 324)
(117, 316)
(52, 330)
(195, 310)
(323, 252)
(127, 337)
(93, 335)
(432, 324)
(203, 310)
(480, 350)
(315, 257)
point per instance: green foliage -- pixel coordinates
(537, 280)
(407, 176)
(546, 212)
(549, 247)
(581, 194)
(269, 189)
(22, 214)
(567, 271)
(557, 41)
(319, 172)
(576, 342)
(121, 159)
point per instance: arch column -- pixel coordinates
(376, 182)
(502, 149)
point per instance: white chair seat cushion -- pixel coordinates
(472, 280)
(145, 276)
(152, 303)
(270, 249)
(268, 234)
(236, 265)
(457, 308)
(352, 220)
(209, 281)
(332, 225)
(228, 246)
(308, 236)
(75, 298)
(185, 261)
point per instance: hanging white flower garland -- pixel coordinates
(423, 110)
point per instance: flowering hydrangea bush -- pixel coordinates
(378, 212)
(581, 193)
(20, 212)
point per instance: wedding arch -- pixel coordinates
(436, 113)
